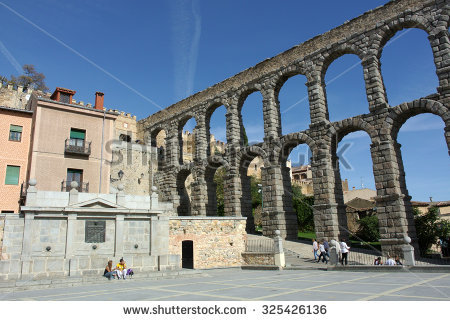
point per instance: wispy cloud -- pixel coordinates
(186, 30)
(12, 60)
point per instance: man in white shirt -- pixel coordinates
(390, 261)
(323, 253)
(344, 252)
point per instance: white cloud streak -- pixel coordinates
(186, 31)
(12, 60)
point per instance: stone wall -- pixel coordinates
(218, 241)
(14, 98)
(125, 124)
(134, 160)
(258, 258)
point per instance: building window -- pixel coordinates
(75, 175)
(77, 137)
(95, 231)
(12, 175)
(15, 133)
(125, 138)
(7, 212)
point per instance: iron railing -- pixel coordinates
(368, 257)
(82, 188)
(77, 147)
(261, 246)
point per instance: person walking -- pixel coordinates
(327, 247)
(323, 254)
(344, 251)
(315, 249)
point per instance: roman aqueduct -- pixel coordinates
(364, 36)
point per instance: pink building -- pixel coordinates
(15, 133)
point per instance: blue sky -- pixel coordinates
(147, 55)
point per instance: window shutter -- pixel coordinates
(77, 134)
(14, 128)
(12, 175)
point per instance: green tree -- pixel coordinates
(428, 228)
(256, 195)
(368, 229)
(30, 79)
(303, 207)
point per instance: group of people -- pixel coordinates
(120, 271)
(321, 251)
(389, 261)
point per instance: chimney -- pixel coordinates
(99, 96)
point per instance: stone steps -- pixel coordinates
(21, 285)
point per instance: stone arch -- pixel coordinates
(401, 113)
(328, 57)
(154, 133)
(344, 127)
(183, 204)
(288, 72)
(387, 32)
(290, 141)
(243, 159)
(250, 152)
(213, 164)
(209, 111)
(181, 123)
(241, 96)
(332, 55)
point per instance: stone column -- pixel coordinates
(233, 124)
(27, 243)
(440, 45)
(271, 112)
(118, 245)
(232, 193)
(172, 145)
(201, 143)
(277, 204)
(27, 240)
(31, 199)
(317, 98)
(325, 208)
(375, 91)
(71, 226)
(392, 202)
(199, 194)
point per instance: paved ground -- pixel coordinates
(236, 284)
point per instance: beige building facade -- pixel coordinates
(69, 142)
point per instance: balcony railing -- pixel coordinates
(82, 188)
(77, 147)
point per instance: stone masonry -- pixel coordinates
(218, 242)
(364, 36)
